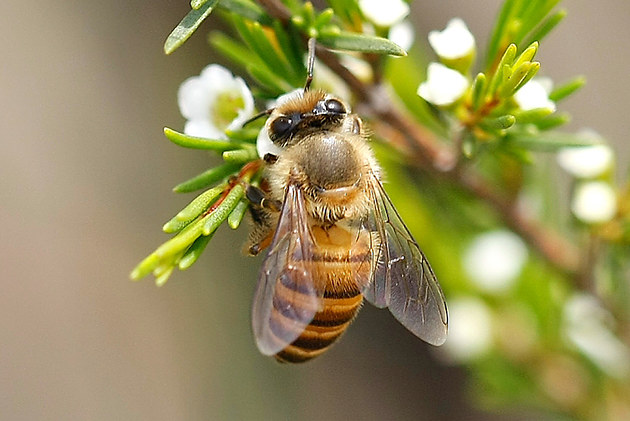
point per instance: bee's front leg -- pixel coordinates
(258, 197)
(264, 215)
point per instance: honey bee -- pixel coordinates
(333, 234)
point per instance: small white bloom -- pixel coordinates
(469, 330)
(586, 161)
(384, 13)
(594, 202)
(443, 86)
(454, 42)
(495, 259)
(402, 34)
(535, 94)
(213, 102)
(585, 323)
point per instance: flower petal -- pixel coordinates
(594, 202)
(586, 161)
(193, 98)
(454, 42)
(535, 94)
(495, 259)
(443, 86)
(402, 34)
(202, 128)
(384, 13)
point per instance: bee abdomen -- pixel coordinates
(339, 266)
(325, 328)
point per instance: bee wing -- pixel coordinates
(286, 298)
(402, 278)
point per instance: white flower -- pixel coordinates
(402, 34)
(495, 259)
(594, 202)
(443, 86)
(535, 94)
(586, 161)
(586, 327)
(264, 145)
(469, 330)
(213, 102)
(454, 42)
(384, 13)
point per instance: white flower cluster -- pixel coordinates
(390, 14)
(594, 201)
(214, 102)
(535, 94)
(494, 260)
(444, 85)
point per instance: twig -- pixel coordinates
(436, 159)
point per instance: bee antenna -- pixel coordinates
(310, 63)
(257, 116)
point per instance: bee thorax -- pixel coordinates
(330, 162)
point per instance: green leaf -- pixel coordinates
(274, 59)
(479, 90)
(187, 26)
(351, 41)
(240, 156)
(194, 251)
(534, 14)
(527, 55)
(508, 88)
(199, 204)
(534, 68)
(499, 123)
(498, 33)
(194, 142)
(193, 210)
(504, 65)
(549, 141)
(290, 43)
(547, 26)
(181, 241)
(196, 4)
(162, 276)
(248, 134)
(246, 9)
(236, 216)
(532, 116)
(552, 121)
(220, 214)
(145, 267)
(207, 178)
(268, 80)
(567, 89)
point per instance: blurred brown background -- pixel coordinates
(85, 179)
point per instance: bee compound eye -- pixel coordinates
(334, 106)
(280, 127)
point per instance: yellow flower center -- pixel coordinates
(226, 110)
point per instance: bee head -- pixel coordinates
(303, 113)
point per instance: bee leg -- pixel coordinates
(270, 158)
(257, 247)
(264, 215)
(262, 231)
(258, 197)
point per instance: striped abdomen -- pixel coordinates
(340, 264)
